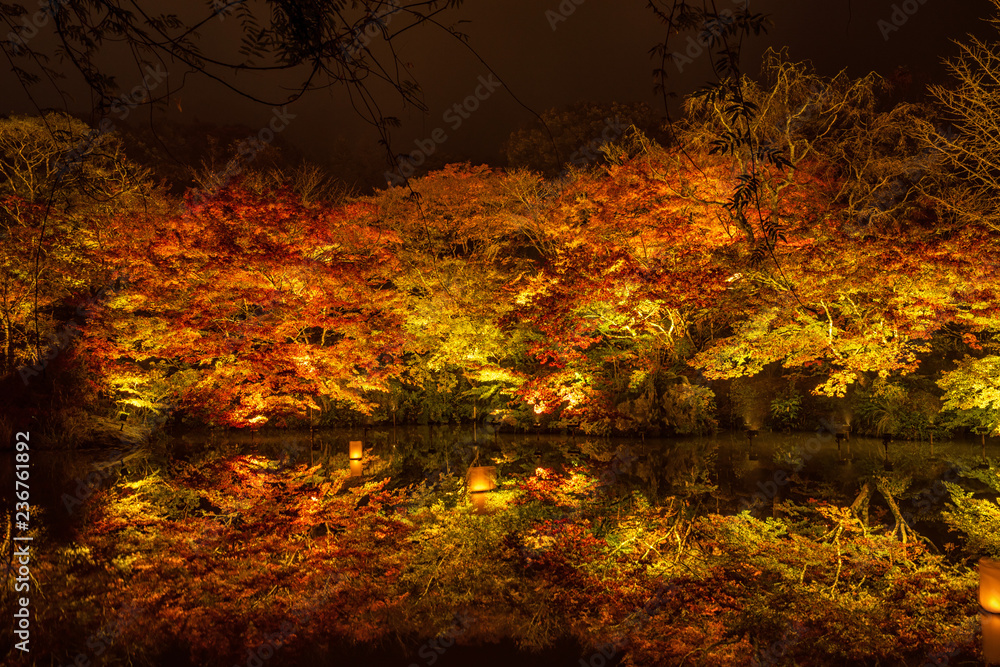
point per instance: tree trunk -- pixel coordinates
(901, 526)
(860, 505)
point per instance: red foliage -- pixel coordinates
(271, 300)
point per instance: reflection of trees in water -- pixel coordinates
(661, 469)
(655, 468)
(440, 457)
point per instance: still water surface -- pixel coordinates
(738, 466)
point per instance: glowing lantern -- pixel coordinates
(480, 481)
(989, 601)
(989, 585)
(356, 468)
(355, 448)
(991, 637)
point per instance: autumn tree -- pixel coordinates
(646, 266)
(842, 125)
(60, 189)
(868, 179)
(972, 393)
(626, 282)
(465, 244)
(971, 103)
(247, 307)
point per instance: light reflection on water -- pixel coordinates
(656, 467)
(732, 461)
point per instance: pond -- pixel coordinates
(750, 472)
(724, 474)
(747, 471)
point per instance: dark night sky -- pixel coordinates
(599, 54)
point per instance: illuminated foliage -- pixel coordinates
(269, 301)
(62, 186)
(179, 553)
(607, 301)
(972, 391)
